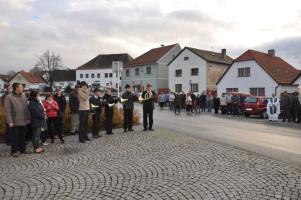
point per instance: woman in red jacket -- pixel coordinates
(52, 109)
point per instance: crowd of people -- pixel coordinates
(45, 117)
(288, 106)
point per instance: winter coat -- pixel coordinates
(51, 108)
(37, 114)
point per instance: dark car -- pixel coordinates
(255, 106)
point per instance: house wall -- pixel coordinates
(102, 80)
(298, 81)
(258, 79)
(64, 84)
(288, 88)
(214, 72)
(186, 65)
(2, 83)
(20, 79)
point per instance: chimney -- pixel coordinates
(224, 54)
(271, 52)
(162, 45)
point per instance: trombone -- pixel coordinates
(148, 95)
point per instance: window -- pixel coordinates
(186, 58)
(178, 87)
(148, 70)
(111, 75)
(127, 72)
(257, 91)
(137, 71)
(92, 75)
(231, 89)
(98, 75)
(178, 73)
(87, 75)
(244, 72)
(194, 71)
(81, 76)
(106, 75)
(194, 87)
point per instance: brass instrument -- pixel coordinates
(94, 106)
(111, 104)
(148, 95)
(123, 100)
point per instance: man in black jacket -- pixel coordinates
(109, 111)
(128, 107)
(285, 107)
(61, 101)
(73, 106)
(95, 106)
(148, 107)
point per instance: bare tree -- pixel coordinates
(36, 70)
(49, 62)
(11, 73)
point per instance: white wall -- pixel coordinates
(298, 81)
(103, 81)
(1, 84)
(288, 88)
(258, 79)
(64, 84)
(186, 65)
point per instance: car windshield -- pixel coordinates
(251, 100)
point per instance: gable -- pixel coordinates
(192, 59)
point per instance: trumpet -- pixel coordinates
(111, 104)
(123, 100)
(94, 106)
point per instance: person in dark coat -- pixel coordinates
(177, 103)
(61, 101)
(148, 107)
(235, 105)
(7, 128)
(109, 111)
(294, 106)
(37, 120)
(74, 110)
(216, 103)
(95, 106)
(203, 101)
(286, 106)
(128, 108)
(183, 101)
(193, 98)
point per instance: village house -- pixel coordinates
(98, 71)
(28, 80)
(150, 67)
(197, 70)
(259, 74)
(63, 78)
(3, 81)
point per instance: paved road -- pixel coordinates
(275, 140)
(145, 166)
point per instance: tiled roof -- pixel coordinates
(150, 57)
(105, 61)
(211, 56)
(277, 68)
(31, 78)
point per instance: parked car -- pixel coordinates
(255, 106)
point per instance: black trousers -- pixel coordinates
(95, 120)
(54, 123)
(109, 124)
(293, 114)
(286, 115)
(18, 139)
(148, 117)
(299, 114)
(127, 119)
(83, 124)
(7, 135)
(60, 123)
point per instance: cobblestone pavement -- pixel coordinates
(139, 165)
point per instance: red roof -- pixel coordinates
(150, 57)
(32, 78)
(278, 69)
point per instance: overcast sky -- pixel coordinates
(79, 30)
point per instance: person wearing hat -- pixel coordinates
(95, 107)
(128, 108)
(84, 110)
(109, 111)
(148, 107)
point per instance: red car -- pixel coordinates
(255, 106)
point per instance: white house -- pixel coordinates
(98, 71)
(3, 81)
(197, 70)
(259, 74)
(28, 80)
(150, 67)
